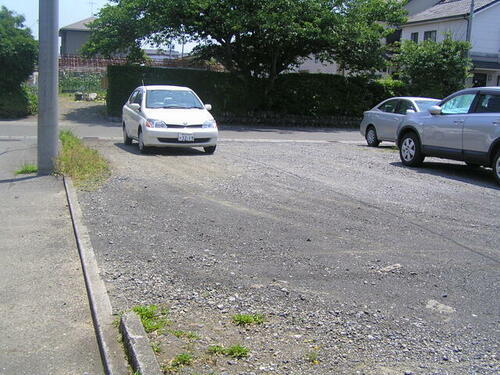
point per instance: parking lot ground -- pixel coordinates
(358, 264)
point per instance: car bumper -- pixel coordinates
(170, 137)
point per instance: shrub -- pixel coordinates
(294, 93)
(18, 102)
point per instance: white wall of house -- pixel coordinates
(457, 28)
(312, 65)
(485, 36)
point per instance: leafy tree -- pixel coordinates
(434, 69)
(254, 38)
(357, 44)
(18, 54)
(18, 50)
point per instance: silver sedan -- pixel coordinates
(381, 122)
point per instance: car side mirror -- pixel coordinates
(208, 107)
(408, 111)
(435, 110)
(135, 106)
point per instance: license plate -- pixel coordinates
(185, 137)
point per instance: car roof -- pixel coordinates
(412, 98)
(164, 87)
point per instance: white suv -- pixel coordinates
(464, 126)
(168, 116)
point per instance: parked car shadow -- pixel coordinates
(170, 151)
(459, 172)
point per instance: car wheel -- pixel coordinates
(126, 139)
(371, 137)
(496, 166)
(210, 149)
(142, 149)
(409, 150)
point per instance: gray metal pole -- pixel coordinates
(47, 86)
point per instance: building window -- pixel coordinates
(414, 37)
(479, 80)
(430, 35)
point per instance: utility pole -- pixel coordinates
(47, 86)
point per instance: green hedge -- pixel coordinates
(20, 102)
(80, 81)
(297, 94)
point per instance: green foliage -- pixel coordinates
(433, 69)
(235, 351)
(247, 319)
(77, 81)
(18, 53)
(85, 166)
(300, 94)
(18, 50)
(152, 318)
(27, 169)
(252, 38)
(362, 24)
(183, 359)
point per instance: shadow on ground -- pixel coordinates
(170, 151)
(471, 175)
(90, 114)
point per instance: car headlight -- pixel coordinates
(155, 124)
(210, 124)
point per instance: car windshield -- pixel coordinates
(172, 99)
(424, 105)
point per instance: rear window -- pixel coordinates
(488, 103)
(172, 99)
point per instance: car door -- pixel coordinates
(387, 119)
(126, 113)
(403, 106)
(482, 127)
(136, 115)
(442, 134)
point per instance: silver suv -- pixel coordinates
(464, 126)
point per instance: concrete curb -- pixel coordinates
(112, 355)
(137, 345)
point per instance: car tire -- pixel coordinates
(126, 139)
(371, 137)
(210, 149)
(409, 150)
(140, 144)
(496, 167)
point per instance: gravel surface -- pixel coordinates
(359, 266)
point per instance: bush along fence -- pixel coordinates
(297, 99)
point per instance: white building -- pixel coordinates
(451, 16)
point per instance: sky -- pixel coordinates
(70, 11)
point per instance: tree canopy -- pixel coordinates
(258, 38)
(18, 50)
(434, 69)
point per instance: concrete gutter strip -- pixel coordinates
(136, 342)
(111, 351)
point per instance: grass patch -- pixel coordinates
(247, 319)
(235, 351)
(312, 357)
(27, 169)
(84, 165)
(152, 318)
(183, 334)
(156, 347)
